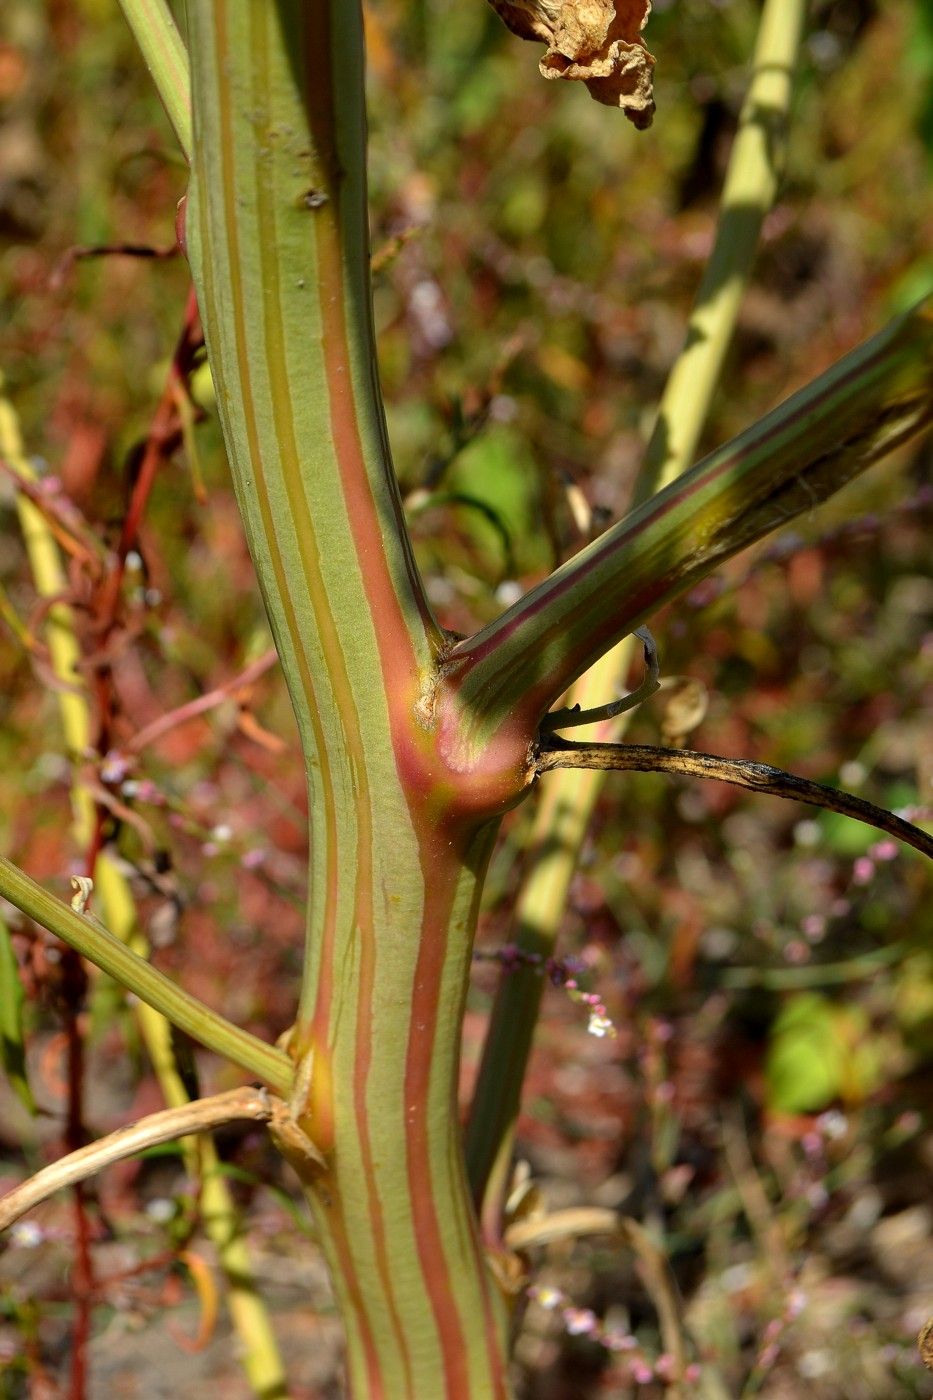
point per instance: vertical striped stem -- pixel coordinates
(277, 235)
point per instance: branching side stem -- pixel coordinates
(742, 772)
(168, 1125)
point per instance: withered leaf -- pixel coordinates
(686, 701)
(596, 42)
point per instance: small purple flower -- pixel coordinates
(863, 871)
(580, 1322)
(883, 850)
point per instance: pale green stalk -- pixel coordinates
(163, 50)
(100, 947)
(755, 168)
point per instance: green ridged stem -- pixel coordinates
(133, 973)
(869, 402)
(277, 236)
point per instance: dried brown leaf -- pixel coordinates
(685, 704)
(596, 42)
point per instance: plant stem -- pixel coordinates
(568, 799)
(168, 1125)
(222, 1222)
(564, 807)
(277, 234)
(163, 49)
(99, 946)
(755, 167)
(874, 399)
(759, 777)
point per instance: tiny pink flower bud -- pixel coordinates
(580, 1322)
(664, 1367)
(883, 850)
(863, 871)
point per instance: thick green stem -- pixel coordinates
(277, 236)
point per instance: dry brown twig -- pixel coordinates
(741, 772)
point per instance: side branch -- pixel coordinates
(163, 49)
(759, 777)
(874, 399)
(236, 1105)
(135, 974)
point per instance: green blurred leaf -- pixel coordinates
(913, 1002)
(805, 1067)
(820, 1051)
(845, 837)
(12, 1048)
(498, 470)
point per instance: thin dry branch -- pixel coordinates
(760, 777)
(246, 1104)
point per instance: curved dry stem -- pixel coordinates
(741, 772)
(236, 1105)
(576, 715)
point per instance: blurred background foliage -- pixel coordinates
(764, 1106)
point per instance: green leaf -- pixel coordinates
(822, 1050)
(498, 470)
(805, 1067)
(12, 1049)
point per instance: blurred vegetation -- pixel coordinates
(764, 1107)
